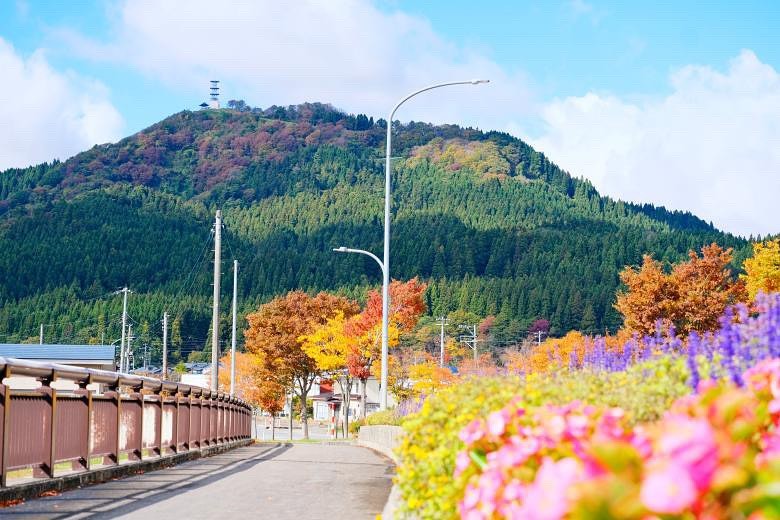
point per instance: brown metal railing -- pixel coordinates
(46, 430)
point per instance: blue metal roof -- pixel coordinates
(57, 352)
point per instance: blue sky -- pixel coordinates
(663, 102)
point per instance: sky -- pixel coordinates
(674, 103)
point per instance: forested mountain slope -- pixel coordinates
(493, 225)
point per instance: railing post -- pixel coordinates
(117, 394)
(189, 420)
(138, 424)
(48, 390)
(158, 425)
(87, 442)
(176, 422)
(6, 427)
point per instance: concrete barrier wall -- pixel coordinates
(383, 439)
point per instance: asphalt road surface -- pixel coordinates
(264, 481)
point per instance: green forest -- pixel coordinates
(493, 226)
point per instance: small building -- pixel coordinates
(100, 357)
(328, 397)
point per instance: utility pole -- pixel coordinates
(40, 337)
(442, 321)
(233, 337)
(165, 347)
(473, 338)
(129, 350)
(215, 317)
(122, 351)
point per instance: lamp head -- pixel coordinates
(341, 249)
(478, 81)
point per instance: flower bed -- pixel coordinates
(647, 380)
(713, 455)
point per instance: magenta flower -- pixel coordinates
(669, 490)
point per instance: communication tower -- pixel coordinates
(214, 95)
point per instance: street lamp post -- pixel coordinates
(386, 260)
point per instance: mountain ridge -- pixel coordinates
(492, 224)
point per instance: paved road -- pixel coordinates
(283, 481)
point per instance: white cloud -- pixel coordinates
(348, 53)
(709, 147)
(49, 114)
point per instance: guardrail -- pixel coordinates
(135, 418)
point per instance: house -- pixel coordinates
(100, 357)
(327, 397)
(87, 356)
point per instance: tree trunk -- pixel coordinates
(346, 399)
(363, 383)
(304, 413)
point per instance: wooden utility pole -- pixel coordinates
(165, 347)
(129, 349)
(442, 321)
(215, 315)
(40, 337)
(122, 349)
(233, 336)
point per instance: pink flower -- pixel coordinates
(512, 454)
(548, 497)
(462, 462)
(470, 497)
(515, 490)
(473, 432)
(497, 422)
(576, 425)
(669, 489)
(690, 443)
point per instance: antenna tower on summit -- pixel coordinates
(214, 95)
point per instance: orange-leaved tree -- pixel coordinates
(247, 381)
(274, 334)
(762, 270)
(692, 297)
(407, 304)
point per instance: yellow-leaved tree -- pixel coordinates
(330, 347)
(762, 270)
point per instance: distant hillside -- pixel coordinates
(493, 225)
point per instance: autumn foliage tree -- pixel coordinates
(253, 383)
(248, 382)
(762, 270)
(691, 297)
(407, 304)
(331, 348)
(427, 377)
(275, 333)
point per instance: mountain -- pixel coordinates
(493, 225)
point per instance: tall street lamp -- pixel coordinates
(386, 260)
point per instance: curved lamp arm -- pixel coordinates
(343, 249)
